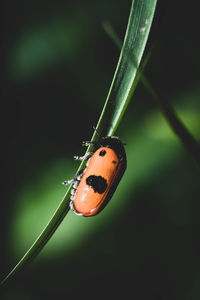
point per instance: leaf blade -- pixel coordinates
(121, 90)
(117, 100)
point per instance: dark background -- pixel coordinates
(58, 66)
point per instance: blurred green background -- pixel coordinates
(59, 65)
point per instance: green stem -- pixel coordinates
(177, 126)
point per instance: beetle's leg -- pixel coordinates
(75, 180)
(66, 182)
(76, 183)
(72, 192)
(88, 143)
(84, 157)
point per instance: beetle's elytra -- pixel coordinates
(94, 186)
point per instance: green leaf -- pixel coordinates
(139, 24)
(120, 92)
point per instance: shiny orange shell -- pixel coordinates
(88, 201)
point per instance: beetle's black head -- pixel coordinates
(114, 143)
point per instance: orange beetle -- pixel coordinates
(94, 186)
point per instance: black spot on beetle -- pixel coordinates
(114, 162)
(102, 152)
(98, 183)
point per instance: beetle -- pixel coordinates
(94, 186)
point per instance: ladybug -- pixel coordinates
(94, 186)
